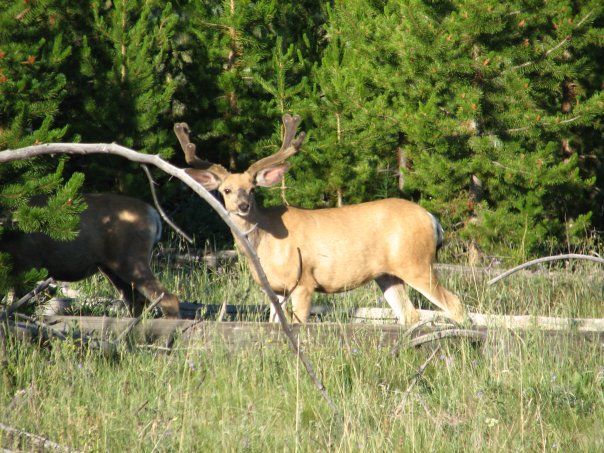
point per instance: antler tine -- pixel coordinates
(182, 133)
(288, 148)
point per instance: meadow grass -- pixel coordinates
(512, 393)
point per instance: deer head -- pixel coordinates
(237, 189)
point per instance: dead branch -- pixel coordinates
(446, 324)
(159, 208)
(545, 260)
(34, 292)
(36, 442)
(157, 161)
(137, 320)
(418, 375)
(447, 333)
(45, 331)
(3, 353)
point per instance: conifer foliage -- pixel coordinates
(488, 113)
(32, 88)
(491, 110)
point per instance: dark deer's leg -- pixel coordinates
(141, 284)
(127, 292)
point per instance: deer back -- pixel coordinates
(114, 230)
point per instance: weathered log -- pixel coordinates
(514, 322)
(249, 333)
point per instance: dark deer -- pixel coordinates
(116, 236)
(391, 241)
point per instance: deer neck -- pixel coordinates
(252, 225)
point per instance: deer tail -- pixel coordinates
(438, 232)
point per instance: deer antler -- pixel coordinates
(289, 147)
(182, 133)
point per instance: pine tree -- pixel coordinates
(259, 55)
(123, 85)
(485, 104)
(350, 135)
(32, 87)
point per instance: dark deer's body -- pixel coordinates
(117, 234)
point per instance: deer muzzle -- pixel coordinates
(243, 208)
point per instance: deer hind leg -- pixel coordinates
(396, 295)
(428, 284)
(126, 290)
(139, 287)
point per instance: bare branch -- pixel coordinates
(447, 333)
(419, 374)
(3, 353)
(36, 441)
(545, 260)
(159, 208)
(15, 306)
(157, 161)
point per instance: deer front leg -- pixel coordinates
(396, 295)
(273, 314)
(301, 303)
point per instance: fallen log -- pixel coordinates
(514, 322)
(382, 335)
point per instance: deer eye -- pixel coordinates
(227, 191)
(252, 190)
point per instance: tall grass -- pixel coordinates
(529, 393)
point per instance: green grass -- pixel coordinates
(510, 394)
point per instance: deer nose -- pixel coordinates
(244, 207)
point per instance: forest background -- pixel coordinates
(488, 113)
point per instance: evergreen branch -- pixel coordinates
(500, 165)
(361, 107)
(526, 128)
(210, 24)
(556, 47)
(179, 173)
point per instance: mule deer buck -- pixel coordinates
(116, 236)
(391, 241)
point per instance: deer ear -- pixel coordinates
(206, 178)
(269, 176)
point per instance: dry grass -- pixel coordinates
(511, 394)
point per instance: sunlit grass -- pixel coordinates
(529, 393)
